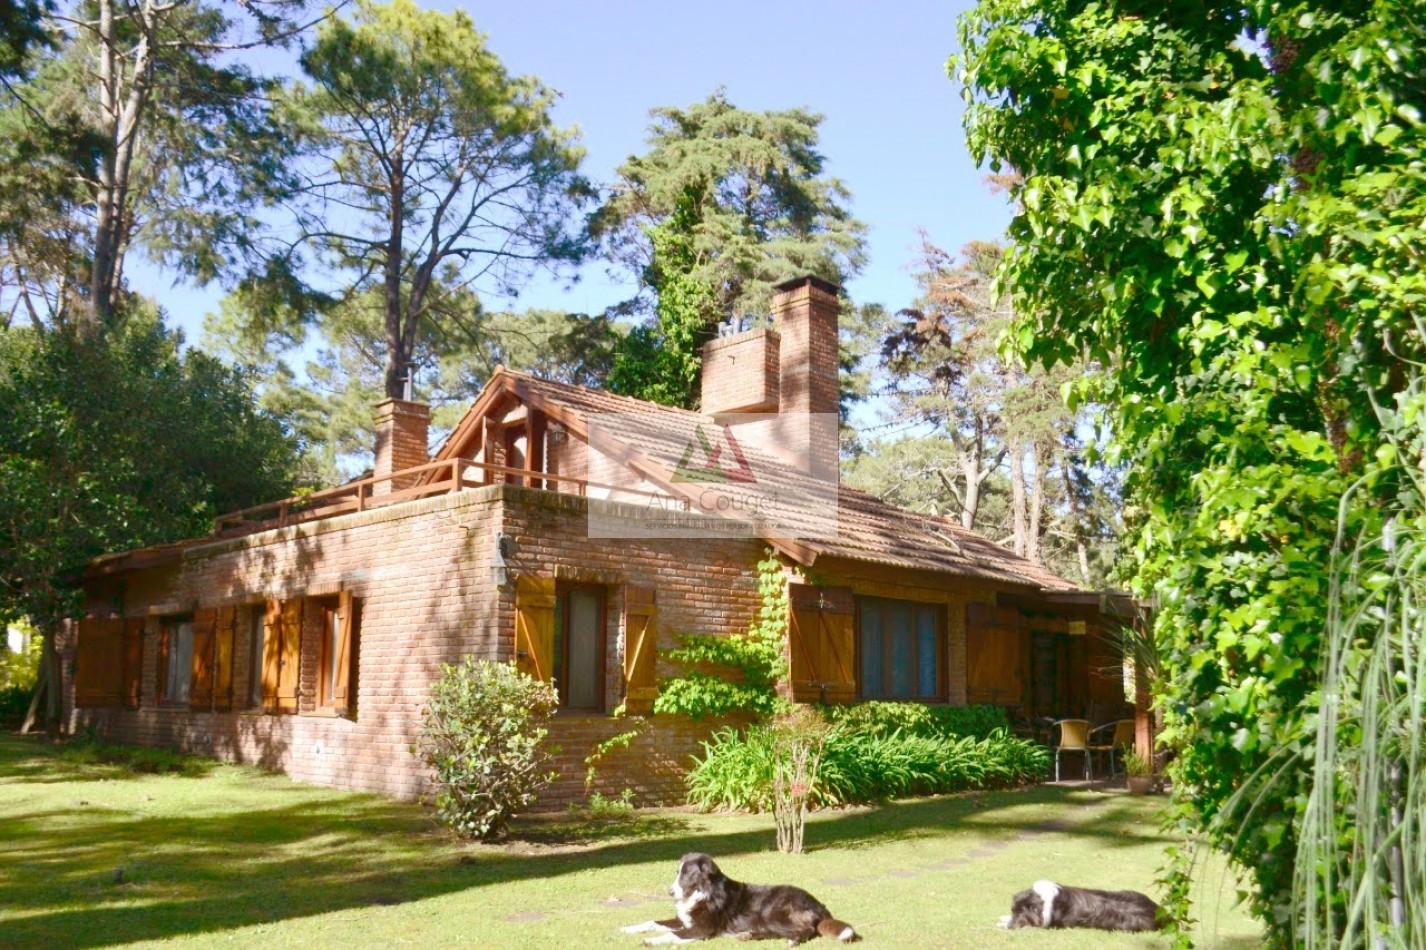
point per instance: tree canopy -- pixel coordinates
(754, 196)
(1222, 207)
(429, 168)
(725, 204)
(140, 129)
(119, 442)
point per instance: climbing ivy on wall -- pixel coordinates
(755, 659)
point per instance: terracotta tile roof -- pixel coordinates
(866, 528)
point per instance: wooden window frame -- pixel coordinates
(331, 616)
(562, 592)
(165, 657)
(942, 654)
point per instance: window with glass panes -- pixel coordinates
(901, 649)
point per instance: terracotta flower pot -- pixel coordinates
(1141, 784)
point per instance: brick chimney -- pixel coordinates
(740, 372)
(792, 370)
(401, 432)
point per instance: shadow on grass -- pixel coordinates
(228, 865)
(43, 760)
(577, 829)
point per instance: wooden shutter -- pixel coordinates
(205, 630)
(821, 635)
(223, 658)
(535, 626)
(271, 653)
(133, 661)
(99, 662)
(346, 653)
(996, 655)
(641, 615)
(289, 673)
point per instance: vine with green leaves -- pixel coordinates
(1231, 231)
(756, 657)
(660, 363)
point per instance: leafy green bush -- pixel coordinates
(482, 739)
(918, 719)
(14, 701)
(863, 766)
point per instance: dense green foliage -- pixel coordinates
(1223, 208)
(737, 767)
(483, 741)
(115, 443)
(733, 673)
(660, 362)
(21, 30)
(878, 717)
(757, 207)
(726, 204)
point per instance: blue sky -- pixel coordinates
(892, 131)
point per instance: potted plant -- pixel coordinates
(1140, 772)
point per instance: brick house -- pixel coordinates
(555, 528)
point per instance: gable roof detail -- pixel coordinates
(866, 528)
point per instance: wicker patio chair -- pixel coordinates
(1074, 737)
(1122, 736)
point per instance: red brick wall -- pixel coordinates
(421, 571)
(402, 429)
(740, 373)
(806, 312)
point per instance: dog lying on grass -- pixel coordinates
(711, 904)
(1047, 904)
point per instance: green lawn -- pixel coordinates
(235, 856)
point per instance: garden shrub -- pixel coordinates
(918, 719)
(482, 739)
(863, 766)
(14, 702)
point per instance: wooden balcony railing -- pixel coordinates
(452, 475)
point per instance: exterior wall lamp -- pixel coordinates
(499, 565)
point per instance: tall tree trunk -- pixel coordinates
(1036, 499)
(46, 689)
(396, 355)
(1017, 497)
(1076, 511)
(970, 475)
(121, 110)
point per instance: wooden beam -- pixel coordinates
(535, 430)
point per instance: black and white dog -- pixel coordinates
(1047, 904)
(710, 904)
